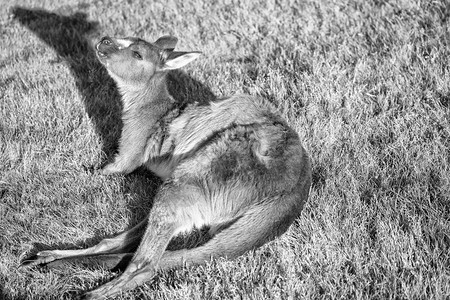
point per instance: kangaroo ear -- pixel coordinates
(175, 60)
(166, 42)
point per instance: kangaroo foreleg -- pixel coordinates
(132, 146)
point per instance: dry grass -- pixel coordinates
(365, 83)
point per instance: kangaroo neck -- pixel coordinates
(151, 97)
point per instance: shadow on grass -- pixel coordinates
(71, 37)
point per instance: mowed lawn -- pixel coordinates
(365, 83)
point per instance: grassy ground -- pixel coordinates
(365, 83)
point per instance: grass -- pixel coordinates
(365, 83)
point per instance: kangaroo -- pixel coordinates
(232, 165)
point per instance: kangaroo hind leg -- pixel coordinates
(166, 217)
(125, 242)
(256, 227)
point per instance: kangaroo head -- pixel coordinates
(133, 61)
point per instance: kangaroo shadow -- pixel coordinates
(72, 38)
(69, 37)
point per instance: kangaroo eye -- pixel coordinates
(137, 55)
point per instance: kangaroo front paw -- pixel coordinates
(119, 167)
(111, 169)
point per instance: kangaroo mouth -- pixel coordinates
(101, 54)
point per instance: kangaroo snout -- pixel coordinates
(106, 46)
